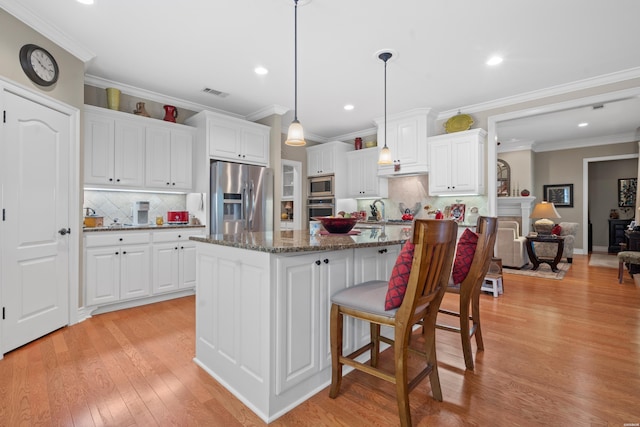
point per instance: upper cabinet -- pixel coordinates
(457, 163)
(363, 180)
(327, 158)
(134, 152)
(113, 151)
(169, 158)
(238, 140)
(406, 138)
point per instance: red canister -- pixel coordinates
(358, 143)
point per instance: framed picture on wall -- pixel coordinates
(561, 195)
(627, 188)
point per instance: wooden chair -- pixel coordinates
(430, 269)
(469, 290)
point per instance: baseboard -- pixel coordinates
(86, 312)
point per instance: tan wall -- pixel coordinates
(565, 167)
(521, 164)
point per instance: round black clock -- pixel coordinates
(39, 65)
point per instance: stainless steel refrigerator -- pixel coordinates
(241, 198)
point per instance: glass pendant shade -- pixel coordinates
(385, 156)
(295, 136)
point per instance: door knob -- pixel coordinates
(64, 231)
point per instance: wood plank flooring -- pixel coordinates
(557, 353)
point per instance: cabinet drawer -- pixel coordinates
(176, 235)
(114, 239)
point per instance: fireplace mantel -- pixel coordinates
(517, 206)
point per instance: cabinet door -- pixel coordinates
(439, 167)
(354, 175)
(129, 154)
(224, 140)
(158, 158)
(407, 141)
(314, 163)
(255, 146)
(181, 159)
(327, 159)
(464, 164)
(166, 264)
(134, 271)
(102, 275)
(98, 149)
(187, 265)
(370, 181)
(336, 273)
(297, 338)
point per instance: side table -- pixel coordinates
(553, 262)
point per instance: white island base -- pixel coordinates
(262, 318)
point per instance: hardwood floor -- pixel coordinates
(557, 353)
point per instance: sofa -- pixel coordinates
(568, 230)
(510, 245)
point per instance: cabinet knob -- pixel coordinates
(117, 253)
(179, 236)
(110, 179)
(168, 183)
(382, 251)
(318, 262)
(326, 261)
(173, 183)
(176, 248)
(181, 247)
(118, 180)
(124, 252)
(121, 239)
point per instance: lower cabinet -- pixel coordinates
(121, 266)
(117, 267)
(305, 284)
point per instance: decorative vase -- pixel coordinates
(524, 193)
(113, 98)
(358, 143)
(140, 110)
(171, 113)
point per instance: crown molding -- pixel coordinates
(47, 30)
(589, 83)
(267, 111)
(581, 143)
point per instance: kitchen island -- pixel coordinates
(262, 308)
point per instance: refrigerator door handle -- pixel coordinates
(245, 206)
(252, 206)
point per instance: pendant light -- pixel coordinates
(295, 136)
(385, 153)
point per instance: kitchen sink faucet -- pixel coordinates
(382, 216)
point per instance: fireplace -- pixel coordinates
(517, 208)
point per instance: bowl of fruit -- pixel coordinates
(342, 223)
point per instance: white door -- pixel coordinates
(36, 217)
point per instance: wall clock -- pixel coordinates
(39, 65)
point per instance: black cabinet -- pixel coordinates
(617, 227)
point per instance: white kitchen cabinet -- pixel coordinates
(305, 286)
(363, 180)
(238, 140)
(113, 151)
(372, 264)
(117, 267)
(457, 163)
(174, 260)
(169, 154)
(406, 138)
(327, 158)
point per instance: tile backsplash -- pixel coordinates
(117, 204)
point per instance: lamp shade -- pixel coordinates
(545, 210)
(385, 156)
(295, 136)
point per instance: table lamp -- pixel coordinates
(288, 206)
(545, 211)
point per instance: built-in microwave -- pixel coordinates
(321, 206)
(321, 186)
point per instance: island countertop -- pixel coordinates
(302, 241)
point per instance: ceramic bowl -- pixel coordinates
(336, 225)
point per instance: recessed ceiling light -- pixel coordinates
(85, 1)
(348, 107)
(261, 71)
(494, 60)
(583, 124)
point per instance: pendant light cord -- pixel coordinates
(385, 101)
(295, 60)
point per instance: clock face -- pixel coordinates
(39, 65)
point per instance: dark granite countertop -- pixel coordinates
(149, 227)
(302, 241)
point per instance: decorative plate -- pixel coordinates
(458, 123)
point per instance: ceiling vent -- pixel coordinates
(215, 92)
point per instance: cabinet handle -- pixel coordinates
(110, 179)
(382, 251)
(176, 248)
(179, 236)
(168, 183)
(173, 183)
(181, 247)
(117, 253)
(318, 262)
(121, 239)
(326, 261)
(124, 252)
(118, 180)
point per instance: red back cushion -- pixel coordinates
(464, 255)
(399, 277)
(557, 230)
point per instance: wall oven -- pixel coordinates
(321, 186)
(321, 206)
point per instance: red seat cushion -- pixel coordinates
(464, 255)
(399, 277)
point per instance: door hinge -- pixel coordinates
(2, 313)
